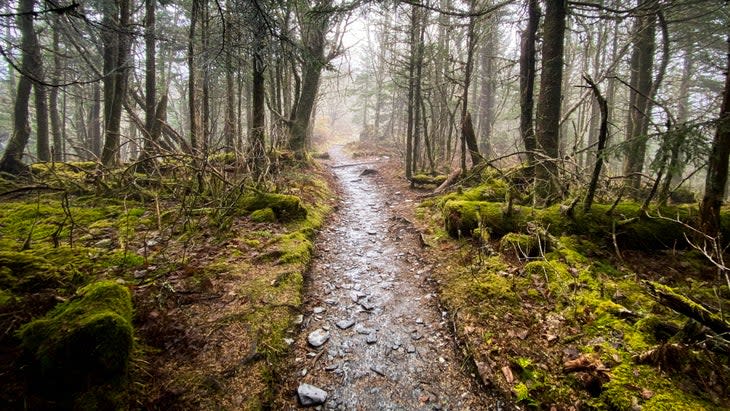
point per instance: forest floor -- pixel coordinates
(235, 308)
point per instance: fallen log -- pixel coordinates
(685, 306)
(448, 182)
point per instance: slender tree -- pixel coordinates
(547, 123)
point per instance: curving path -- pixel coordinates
(370, 303)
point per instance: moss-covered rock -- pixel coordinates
(286, 207)
(264, 215)
(82, 343)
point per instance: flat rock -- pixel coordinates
(318, 310)
(371, 339)
(318, 337)
(345, 324)
(310, 395)
(410, 349)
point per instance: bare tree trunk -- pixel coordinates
(94, 124)
(12, 159)
(150, 79)
(637, 123)
(192, 79)
(411, 91)
(258, 116)
(116, 54)
(527, 82)
(547, 124)
(468, 138)
(602, 137)
(487, 88)
(57, 148)
(718, 164)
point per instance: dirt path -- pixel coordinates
(370, 296)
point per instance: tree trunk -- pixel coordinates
(602, 137)
(116, 53)
(258, 115)
(527, 82)
(637, 122)
(411, 91)
(94, 124)
(192, 79)
(314, 25)
(468, 138)
(718, 164)
(57, 148)
(150, 78)
(547, 124)
(487, 88)
(12, 159)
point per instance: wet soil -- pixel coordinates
(371, 295)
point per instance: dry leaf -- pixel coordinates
(508, 374)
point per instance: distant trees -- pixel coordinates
(450, 83)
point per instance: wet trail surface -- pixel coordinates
(373, 336)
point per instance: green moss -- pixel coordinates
(83, 342)
(627, 381)
(6, 298)
(462, 217)
(555, 273)
(264, 215)
(521, 245)
(295, 248)
(286, 207)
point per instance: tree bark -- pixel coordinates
(527, 83)
(192, 80)
(717, 164)
(547, 124)
(637, 122)
(116, 53)
(58, 152)
(150, 78)
(487, 88)
(468, 138)
(258, 114)
(12, 159)
(602, 138)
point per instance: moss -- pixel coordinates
(295, 248)
(27, 272)
(83, 342)
(264, 215)
(423, 179)
(554, 272)
(6, 297)
(627, 382)
(521, 245)
(286, 207)
(462, 217)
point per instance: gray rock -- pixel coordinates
(310, 395)
(410, 349)
(378, 370)
(318, 310)
(367, 305)
(345, 324)
(371, 339)
(318, 337)
(364, 330)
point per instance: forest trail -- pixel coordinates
(370, 295)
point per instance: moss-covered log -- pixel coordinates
(424, 179)
(685, 306)
(286, 207)
(82, 344)
(633, 228)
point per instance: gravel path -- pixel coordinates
(373, 336)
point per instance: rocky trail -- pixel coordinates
(373, 335)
